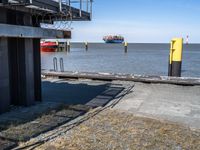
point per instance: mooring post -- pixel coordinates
(125, 47)
(58, 49)
(175, 57)
(65, 46)
(86, 46)
(68, 46)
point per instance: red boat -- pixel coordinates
(48, 46)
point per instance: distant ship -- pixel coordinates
(113, 39)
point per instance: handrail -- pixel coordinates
(51, 10)
(62, 68)
(55, 64)
(79, 4)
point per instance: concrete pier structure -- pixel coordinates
(20, 34)
(4, 75)
(20, 64)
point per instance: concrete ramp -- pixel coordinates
(180, 104)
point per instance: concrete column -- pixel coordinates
(4, 68)
(20, 64)
(29, 71)
(37, 69)
(4, 76)
(21, 58)
(3, 15)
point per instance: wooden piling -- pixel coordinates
(68, 46)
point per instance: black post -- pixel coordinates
(169, 67)
(68, 46)
(126, 47)
(175, 58)
(86, 46)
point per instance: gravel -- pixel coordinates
(114, 129)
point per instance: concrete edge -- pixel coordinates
(185, 81)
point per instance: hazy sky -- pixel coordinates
(141, 20)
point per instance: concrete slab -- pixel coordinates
(85, 92)
(180, 104)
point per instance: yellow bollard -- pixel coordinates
(175, 57)
(125, 47)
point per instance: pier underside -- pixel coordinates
(20, 34)
(20, 82)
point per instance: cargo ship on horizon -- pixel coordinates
(113, 39)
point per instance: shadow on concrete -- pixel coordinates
(73, 93)
(69, 100)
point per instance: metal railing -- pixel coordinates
(82, 5)
(56, 6)
(55, 65)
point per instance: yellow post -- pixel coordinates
(175, 59)
(126, 47)
(177, 49)
(126, 44)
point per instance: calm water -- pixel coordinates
(144, 59)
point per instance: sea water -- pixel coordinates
(142, 59)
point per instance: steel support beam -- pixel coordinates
(4, 76)
(37, 69)
(4, 71)
(31, 32)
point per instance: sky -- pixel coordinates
(141, 21)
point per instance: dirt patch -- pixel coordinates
(123, 131)
(22, 115)
(47, 122)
